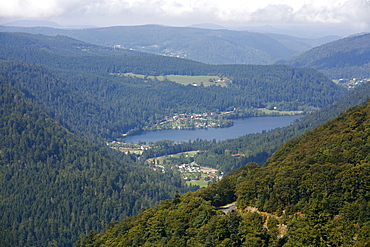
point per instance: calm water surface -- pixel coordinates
(241, 127)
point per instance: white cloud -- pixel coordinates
(38, 8)
(28, 8)
(355, 12)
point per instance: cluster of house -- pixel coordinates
(128, 147)
(193, 167)
(184, 116)
(354, 82)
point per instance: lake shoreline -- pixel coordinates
(241, 126)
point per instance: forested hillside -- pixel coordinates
(87, 94)
(344, 58)
(314, 191)
(55, 187)
(203, 45)
(60, 45)
(259, 146)
(59, 94)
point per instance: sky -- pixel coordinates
(350, 15)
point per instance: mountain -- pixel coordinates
(314, 191)
(301, 31)
(55, 186)
(213, 46)
(344, 58)
(84, 87)
(32, 23)
(208, 26)
(42, 24)
(301, 44)
(60, 45)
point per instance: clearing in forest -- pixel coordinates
(198, 80)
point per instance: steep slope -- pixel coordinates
(319, 165)
(56, 187)
(344, 58)
(315, 191)
(216, 46)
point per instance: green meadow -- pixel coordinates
(205, 80)
(200, 183)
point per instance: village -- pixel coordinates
(192, 121)
(184, 163)
(351, 83)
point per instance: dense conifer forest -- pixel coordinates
(62, 100)
(314, 191)
(81, 92)
(56, 186)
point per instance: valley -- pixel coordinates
(267, 200)
(69, 178)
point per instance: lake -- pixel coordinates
(241, 127)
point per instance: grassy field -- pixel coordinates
(200, 183)
(175, 156)
(186, 79)
(267, 111)
(189, 153)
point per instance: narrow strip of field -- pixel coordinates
(204, 80)
(200, 183)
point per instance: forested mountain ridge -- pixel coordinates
(60, 45)
(203, 45)
(63, 176)
(87, 94)
(314, 191)
(55, 187)
(344, 58)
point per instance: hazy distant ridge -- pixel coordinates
(211, 46)
(348, 57)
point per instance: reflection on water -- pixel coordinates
(241, 127)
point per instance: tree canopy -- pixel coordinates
(314, 191)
